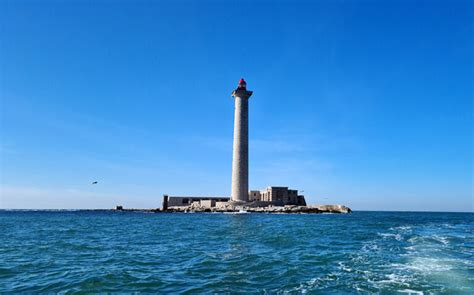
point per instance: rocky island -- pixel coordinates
(252, 208)
(273, 199)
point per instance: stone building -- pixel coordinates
(278, 195)
(180, 201)
(255, 196)
(274, 195)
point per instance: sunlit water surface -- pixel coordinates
(365, 252)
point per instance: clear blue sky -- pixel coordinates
(364, 103)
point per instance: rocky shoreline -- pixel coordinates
(248, 208)
(269, 209)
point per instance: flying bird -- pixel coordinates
(95, 182)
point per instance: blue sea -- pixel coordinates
(362, 252)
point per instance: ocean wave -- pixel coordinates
(398, 279)
(401, 228)
(411, 292)
(425, 265)
(397, 237)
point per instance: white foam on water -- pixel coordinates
(315, 283)
(397, 237)
(415, 239)
(425, 265)
(371, 246)
(441, 239)
(401, 228)
(392, 281)
(448, 225)
(397, 279)
(410, 291)
(343, 267)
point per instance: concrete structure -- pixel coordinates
(255, 196)
(272, 195)
(279, 195)
(182, 201)
(208, 203)
(240, 156)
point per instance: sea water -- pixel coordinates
(362, 252)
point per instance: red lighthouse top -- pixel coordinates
(241, 90)
(242, 84)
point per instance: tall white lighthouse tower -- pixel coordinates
(240, 158)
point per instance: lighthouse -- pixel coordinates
(240, 155)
